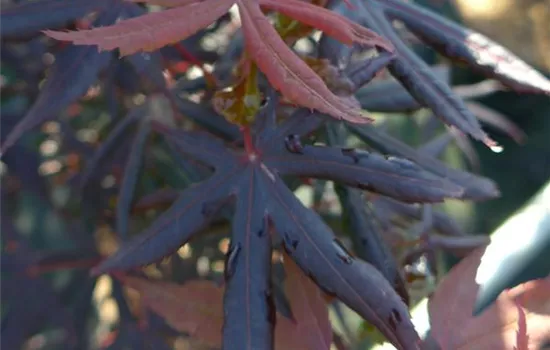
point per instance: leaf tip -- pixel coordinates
(56, 34)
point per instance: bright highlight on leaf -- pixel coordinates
(519, 317)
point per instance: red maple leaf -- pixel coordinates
(285, 71)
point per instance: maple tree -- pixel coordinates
(187, 159)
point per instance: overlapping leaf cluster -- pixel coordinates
(245, 174)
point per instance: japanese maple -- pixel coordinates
(209, 167)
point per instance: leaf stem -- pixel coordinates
(39, 269)
(247, 138)
(186, 55)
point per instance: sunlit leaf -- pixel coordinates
(451, 308)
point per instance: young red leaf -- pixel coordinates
(331, 23)
(308, 307)
(149, 32)
(288, 73)
(451, 307)
(284, 70)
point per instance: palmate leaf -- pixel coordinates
(252, 182)
(260, 196)
(284, 70)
